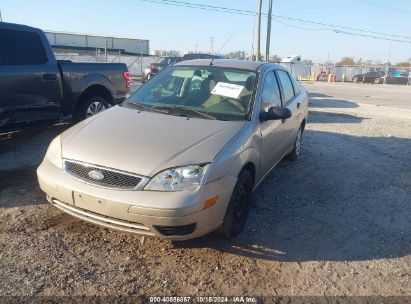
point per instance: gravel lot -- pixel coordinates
(337, 222)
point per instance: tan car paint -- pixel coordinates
(146, 143)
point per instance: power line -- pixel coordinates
(384, 6)
(252, 13)
(370, 36)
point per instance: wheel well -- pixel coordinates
(96, 90)
(250, 168)
(303, 124)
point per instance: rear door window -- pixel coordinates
(21, 48)
(286, 84)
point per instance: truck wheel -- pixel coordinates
(295, 153)
(90, 106)
(238, 207)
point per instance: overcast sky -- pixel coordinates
(183, 28)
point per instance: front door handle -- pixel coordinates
(50, 76)
(298, 105)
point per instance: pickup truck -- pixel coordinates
(35, 86)
(155, 68)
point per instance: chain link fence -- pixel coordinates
(136, 64)
(346, 73)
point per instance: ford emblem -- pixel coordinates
(96, 175)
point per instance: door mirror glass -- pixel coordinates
(275, 113)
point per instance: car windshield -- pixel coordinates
(205, 92)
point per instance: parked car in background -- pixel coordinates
(175, 160)
(370, 77)
(397, 77)
(393, 77)
(201, 56)
(35, 86)
(155, 68)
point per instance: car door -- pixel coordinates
(291, 99)
(31, 81)
(4, 82)
(273, 132)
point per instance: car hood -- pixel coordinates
(145, 142)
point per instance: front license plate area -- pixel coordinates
(90, 203)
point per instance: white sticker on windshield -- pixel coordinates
(227, 90)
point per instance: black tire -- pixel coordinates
(377, 80)
(295, 153)
(238, 207)
(85, 108)
(355, 79)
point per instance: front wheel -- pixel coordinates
(295, 153)
(238, 207)
(90, 106)
(355, 79)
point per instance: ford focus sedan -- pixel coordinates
(182, 155)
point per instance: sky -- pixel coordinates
(184, 29)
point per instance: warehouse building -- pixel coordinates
(85, 43)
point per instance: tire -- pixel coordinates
(90, 106)
(238, 207)
(355, 79)
(295, 153)
(377, 80)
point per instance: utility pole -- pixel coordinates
(105, 48)
(257, 50)
(1, 18)
(267, 46)
(212, 45)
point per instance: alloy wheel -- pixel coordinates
(95, 107)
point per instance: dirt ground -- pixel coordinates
(337, 222)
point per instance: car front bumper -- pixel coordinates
(168, 215)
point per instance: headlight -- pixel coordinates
(54, 152)
(178, 179)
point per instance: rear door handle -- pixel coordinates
(298, 105)
(50, 76)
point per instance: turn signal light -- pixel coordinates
(211, 202)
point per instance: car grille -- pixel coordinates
(108, 178)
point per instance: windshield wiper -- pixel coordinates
(181, 109)
(145, 107)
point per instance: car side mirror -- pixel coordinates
(275, 113)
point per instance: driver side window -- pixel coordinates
(271, 96)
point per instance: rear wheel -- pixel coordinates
(90, 106)
(238, 207)
(355, 79)
(295, 153)
(377, 80)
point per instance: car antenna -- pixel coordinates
(212, 59)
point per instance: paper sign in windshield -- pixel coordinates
(227, 90)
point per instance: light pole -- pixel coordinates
(388, 62)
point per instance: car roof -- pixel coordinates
(228, 63)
